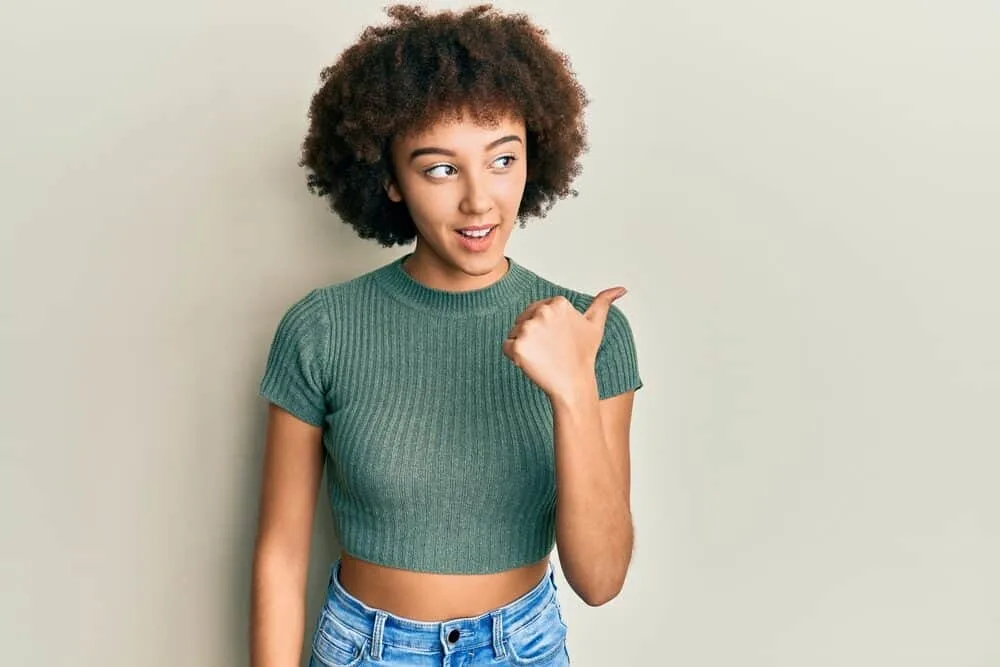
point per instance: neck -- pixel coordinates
(432, 270)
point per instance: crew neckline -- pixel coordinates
(513, 283)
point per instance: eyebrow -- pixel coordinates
(444, 151)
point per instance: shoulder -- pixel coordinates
(327, 298)
(581, 300)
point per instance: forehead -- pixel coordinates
(463, 132)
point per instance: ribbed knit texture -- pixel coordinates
(439, 450)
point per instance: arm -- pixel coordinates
(594, 532)
(293, 465)
(578, 360)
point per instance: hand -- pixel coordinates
(556, 345)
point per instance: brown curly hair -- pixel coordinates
(423, 68)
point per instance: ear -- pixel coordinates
(392, 190)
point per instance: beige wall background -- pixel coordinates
(802, 197)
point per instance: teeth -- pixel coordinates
(476, 235)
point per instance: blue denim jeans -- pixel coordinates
(528, 631)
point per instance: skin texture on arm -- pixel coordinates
(556, 347)
(293, 465)
(594, 531)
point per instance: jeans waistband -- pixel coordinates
(438, 636)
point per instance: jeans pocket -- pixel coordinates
(540, 640)
(335, 644)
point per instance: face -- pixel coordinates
(459, 179)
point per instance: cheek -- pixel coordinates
(427, 201)
(509, 192)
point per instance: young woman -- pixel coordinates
(471, 414)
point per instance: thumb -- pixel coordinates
(599, 307)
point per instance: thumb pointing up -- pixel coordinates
(599, 307)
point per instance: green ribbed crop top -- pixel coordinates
(439, 451)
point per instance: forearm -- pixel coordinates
(277, 619)
(594, 531)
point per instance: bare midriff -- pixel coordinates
(430, 597)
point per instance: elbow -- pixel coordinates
(596, 591)
(595, 580)
(279, 559)
(596, 583)
(600, 596)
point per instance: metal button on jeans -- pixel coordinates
(453, 636)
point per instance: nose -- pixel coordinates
(475, 198)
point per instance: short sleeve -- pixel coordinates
(296, 377)
(617, 365)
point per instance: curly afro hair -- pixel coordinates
(424, 68)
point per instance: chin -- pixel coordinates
(477, 263)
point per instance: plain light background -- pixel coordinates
(803, 199)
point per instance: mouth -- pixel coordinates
(476, 232)
(477, 239)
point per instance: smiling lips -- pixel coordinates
(480, 241)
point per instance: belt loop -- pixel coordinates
(377, 631)
(334, 570)
(498, 648)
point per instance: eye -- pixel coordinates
(436, 171)
(510, 161)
